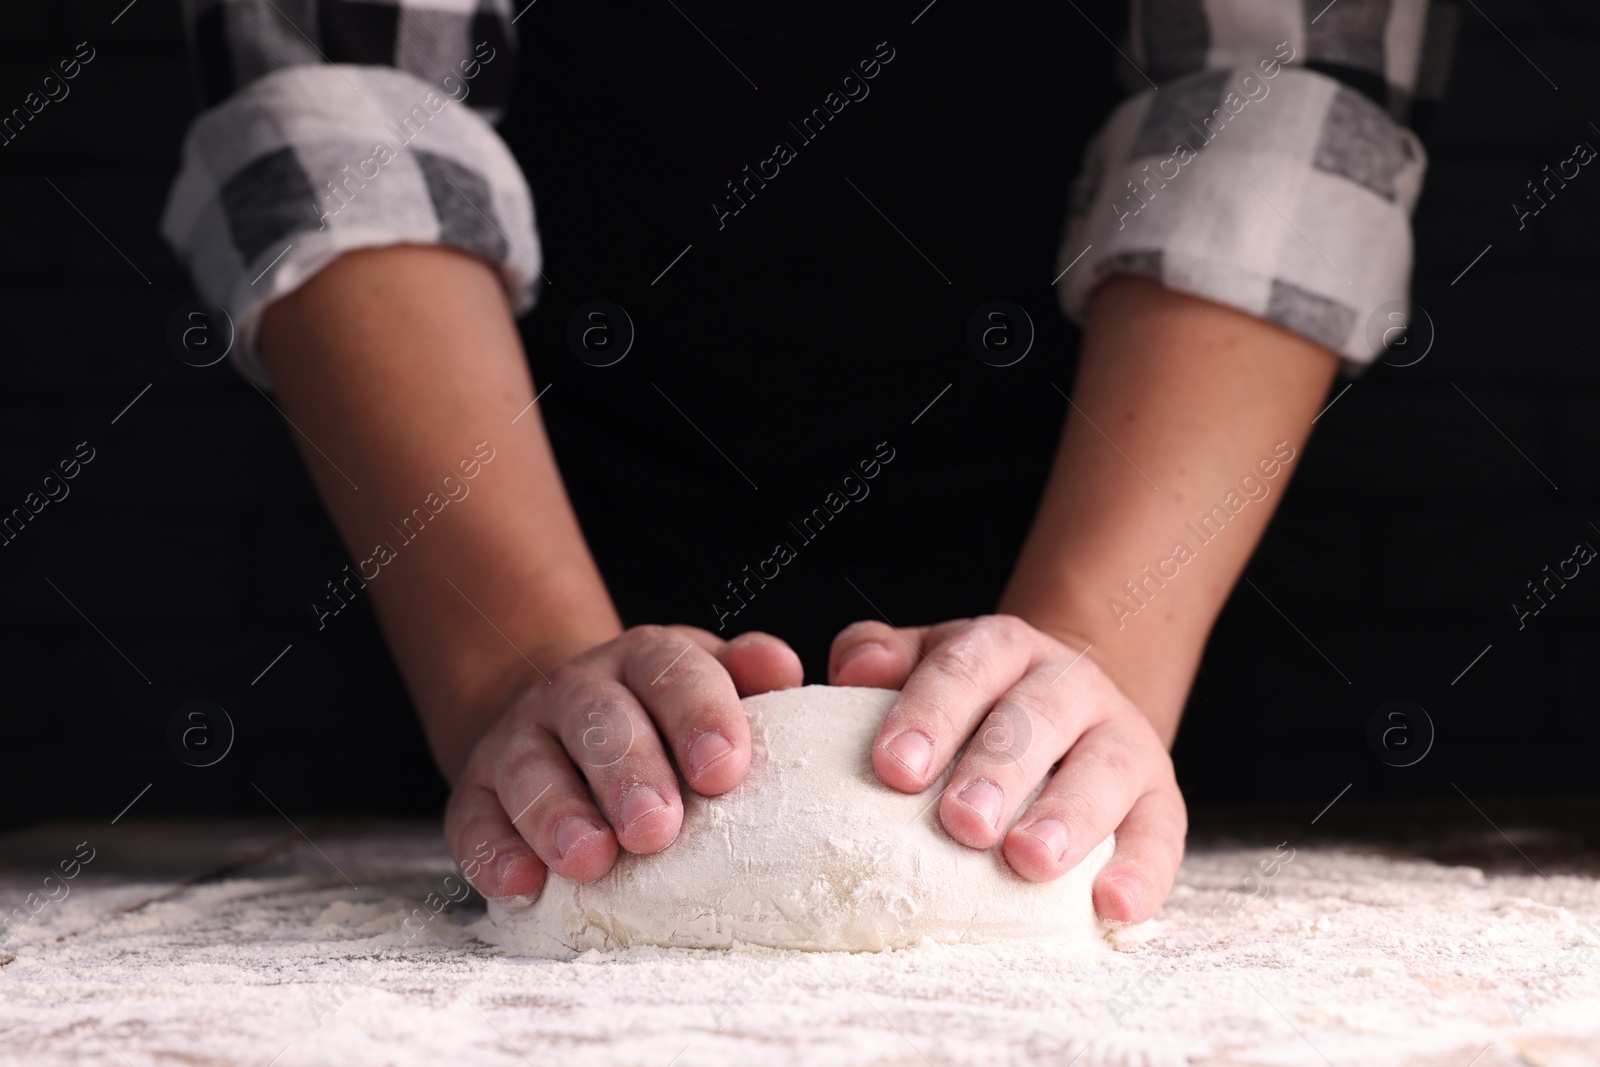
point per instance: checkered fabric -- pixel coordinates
(1266, 164)
(1272, 170)
(345, 124)
(234, 42)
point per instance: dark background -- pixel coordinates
(194, 541)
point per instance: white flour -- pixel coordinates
(810, 851)
(1354, 959)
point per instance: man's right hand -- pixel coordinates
(609, 726)
(395, 364)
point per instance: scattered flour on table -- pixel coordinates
(1352, 957)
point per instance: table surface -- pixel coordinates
(1442, 935)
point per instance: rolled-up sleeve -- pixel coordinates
(1269, 163)
(334, 125)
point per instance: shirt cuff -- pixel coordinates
(1289, 198)
(312, 161)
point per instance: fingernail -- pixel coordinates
(503, 866)
(1130, 889)
(572, 831)
(1053, 834)
(641, 800)
(707, 750)
(856, 651)
(985, 799)
(913, 750)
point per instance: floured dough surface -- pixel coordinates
(810, 851)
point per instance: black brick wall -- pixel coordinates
(194, 540)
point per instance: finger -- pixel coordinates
(548, 804)
(1138, 878)
(875, 654)
(488, 849)
(614, 746)
(947, 694)
(1010, 753)
(760, 663)
(1099, 780)
(688, 693)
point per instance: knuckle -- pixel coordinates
(516, 773)
(1031, 704)
(864, 630)
(966, 651)
(599, 730)
(943, 630)
(1075, 807)
(961, 659)
(516, 762)
(1007, 630)
(1117, 758)
(568, 676)
(694, 668)
(650, 639)
(586, 704)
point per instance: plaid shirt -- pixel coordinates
(1273, 169)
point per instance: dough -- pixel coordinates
(810, 851)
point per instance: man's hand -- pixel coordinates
(1019, 701)
(395, 361)
(606, 722)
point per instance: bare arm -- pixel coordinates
(1193, 394)
(553, 725)
(396, 362)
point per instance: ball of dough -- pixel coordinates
(810, 851)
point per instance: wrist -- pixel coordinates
(477, 683)
(1153, 666)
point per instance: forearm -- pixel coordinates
(397, 362)
(1194, 395)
